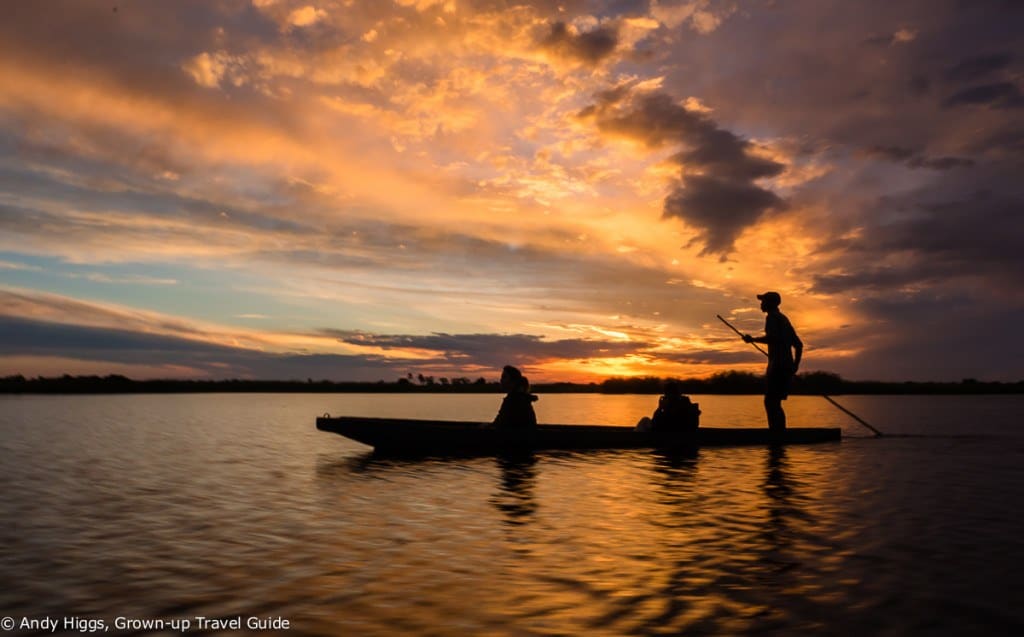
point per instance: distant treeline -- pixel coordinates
(812, 383)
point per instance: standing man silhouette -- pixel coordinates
(784, 352)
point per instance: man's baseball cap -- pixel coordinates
(771, 298)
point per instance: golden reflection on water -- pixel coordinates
(647, 544)
(721, 541)
(158, 506)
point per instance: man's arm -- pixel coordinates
(798, 350)
(770, 333)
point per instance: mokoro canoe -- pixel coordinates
(392, 435)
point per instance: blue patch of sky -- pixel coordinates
(222, 296)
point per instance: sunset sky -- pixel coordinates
(360, 189)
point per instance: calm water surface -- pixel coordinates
(177, 506)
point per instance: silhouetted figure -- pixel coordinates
(784, 352)
(675, 412)
(517, 408)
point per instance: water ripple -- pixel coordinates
(156, 506)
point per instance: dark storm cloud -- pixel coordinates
(725, 155)
(976, 237)
(22, 305)
(717, 192)
(887, 39)
(604, 8)
(940, 163)
(624, 8)
(1005, 140)
(928, 335)
(655, 119)
(589, 47)
(925, 263)
(30, 337)
(494, 350)
(915, 159)
(934, 280)
(722, 208)
(919, 85)
(830, 88)
(874, 278)
(87, 150)
(936, 283)
(996, 95)
(976, 67)
(27, 336)
(110, 44)
(713, 357)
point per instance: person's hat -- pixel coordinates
(771, 298)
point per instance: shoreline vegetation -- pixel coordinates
(734, 383)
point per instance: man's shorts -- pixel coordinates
(777, 386)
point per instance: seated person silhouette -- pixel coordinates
(675, 412)
(517, 408)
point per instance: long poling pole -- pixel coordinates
(739, 333)
(877, 433)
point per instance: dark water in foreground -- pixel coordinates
(173, 507)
